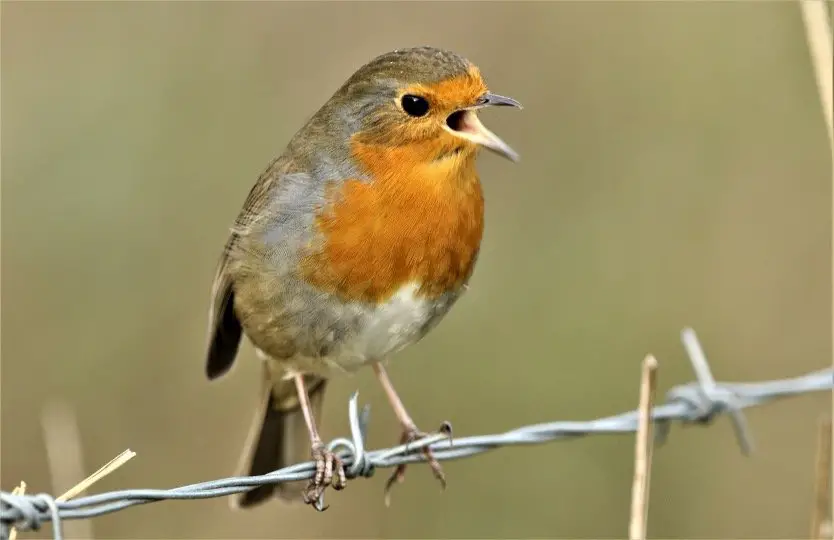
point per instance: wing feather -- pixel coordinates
(224, 328)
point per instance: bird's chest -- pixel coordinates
(378, 242)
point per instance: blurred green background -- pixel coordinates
(674, 172)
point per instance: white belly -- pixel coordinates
(385, 330)
(391, 326)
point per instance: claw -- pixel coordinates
(446, 429)
(409, 436)
(330, 471)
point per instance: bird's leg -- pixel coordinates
(329, 468)
(410, 433)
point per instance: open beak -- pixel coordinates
(466, 124)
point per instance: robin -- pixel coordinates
(351, 245)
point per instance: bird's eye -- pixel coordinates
(415, 105)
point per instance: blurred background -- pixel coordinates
(674, 172)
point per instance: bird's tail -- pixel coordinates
(278, 438)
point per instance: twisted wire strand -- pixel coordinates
(696, 402)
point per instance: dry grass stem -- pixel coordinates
(19, 490)
(111, 466)
(64, 453)
(821, 47)
(85, 484)
(821, 518)
(643, 452)
(65, 456)
(819, 36)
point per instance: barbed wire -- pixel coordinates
(696, 402)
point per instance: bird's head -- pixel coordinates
(419, 106)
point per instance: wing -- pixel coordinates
(225, 330)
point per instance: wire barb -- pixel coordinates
(706, 399)
(691, 402)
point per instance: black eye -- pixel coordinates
(415, 105)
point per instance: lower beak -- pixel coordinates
(470, 127)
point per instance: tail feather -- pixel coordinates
(278, 438)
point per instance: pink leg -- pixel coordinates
(410, 433)
(329, 468)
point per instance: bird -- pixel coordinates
(352, 245)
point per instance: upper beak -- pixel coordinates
(494, 100)
(471, 128)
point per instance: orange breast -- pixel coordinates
(417, 221)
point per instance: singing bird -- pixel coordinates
(351, 245)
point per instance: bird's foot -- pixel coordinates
(412, 434)
(330, 471)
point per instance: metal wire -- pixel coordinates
(697, 402)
